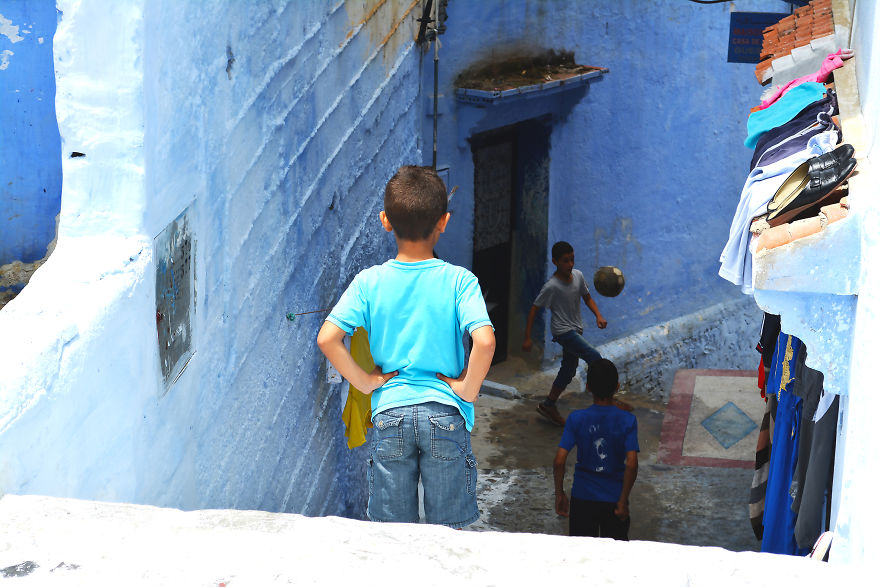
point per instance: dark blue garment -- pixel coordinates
(782, 141)
(779, 519)
(603, 435)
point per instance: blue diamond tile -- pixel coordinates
(729, 425)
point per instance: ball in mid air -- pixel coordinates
(608, 281)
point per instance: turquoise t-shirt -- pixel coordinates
(783, 110)
(415, 315)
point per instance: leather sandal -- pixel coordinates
(551, 413)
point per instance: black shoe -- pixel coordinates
(838, 156)
(821, 185)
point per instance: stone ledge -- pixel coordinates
(71, 542)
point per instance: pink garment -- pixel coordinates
(832, 62)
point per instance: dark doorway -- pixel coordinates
(511, 184)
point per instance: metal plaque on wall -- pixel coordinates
(175, 297)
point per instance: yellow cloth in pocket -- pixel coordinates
(356, 413)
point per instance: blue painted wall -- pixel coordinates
(275, 126)
(646, 165)
(30, 149)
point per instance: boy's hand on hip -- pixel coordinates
(562, 504)
(601, 322)
(378, 379)
(457, 383)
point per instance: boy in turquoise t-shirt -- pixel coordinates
(416, 309)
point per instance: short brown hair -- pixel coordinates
(415, 199)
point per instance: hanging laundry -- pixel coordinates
(779, 519)
(760, 186)
(782, 141)
(832, 62)
(782, 111)
(825, 402)
(770, 327)
(356, 413)
(763, 450)
(812, 478)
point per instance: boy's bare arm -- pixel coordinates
(527, 339)
(591, 304)
(562, 503)
(330, 342)
(467, 385)
(629, 479)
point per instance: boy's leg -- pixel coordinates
(582, 518)
(393, 472)
(448, 467)
(610, 526)
(575, 344)
(567, 369)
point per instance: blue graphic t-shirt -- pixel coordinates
(603, 435)
(415, 315)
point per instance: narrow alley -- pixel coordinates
(514, 446)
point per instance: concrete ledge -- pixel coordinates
(499, 390)
(722, 336)
(54, 541)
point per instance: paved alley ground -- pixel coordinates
(515, 446)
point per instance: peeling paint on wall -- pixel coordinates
(9, 30)
(381, 19)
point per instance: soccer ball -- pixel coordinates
(608, 281)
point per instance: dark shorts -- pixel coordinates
(596, 518)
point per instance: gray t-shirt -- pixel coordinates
(564, 301)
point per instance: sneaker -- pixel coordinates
(551, 413)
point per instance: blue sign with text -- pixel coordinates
(747, 35)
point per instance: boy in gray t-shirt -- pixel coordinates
(562, 294)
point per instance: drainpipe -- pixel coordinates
(436, 76)
(431, 14)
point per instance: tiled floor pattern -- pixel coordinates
(712, 419)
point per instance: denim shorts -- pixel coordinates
(428, 440)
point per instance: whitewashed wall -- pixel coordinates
(275, 125)
(857, 473)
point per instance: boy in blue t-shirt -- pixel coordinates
(608, 460)
(416, 309)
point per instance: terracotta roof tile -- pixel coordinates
(806, 24)
(777, 236)
(834, 212)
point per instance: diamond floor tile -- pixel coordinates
(728, 425)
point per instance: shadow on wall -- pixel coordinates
(14, 276)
